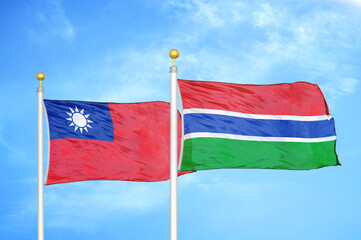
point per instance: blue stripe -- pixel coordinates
(214, 123)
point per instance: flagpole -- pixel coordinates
(40, 76)
(173, 148)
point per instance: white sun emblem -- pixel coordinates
(79, 120)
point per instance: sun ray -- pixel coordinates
(79, 119)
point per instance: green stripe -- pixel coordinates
(214, 153)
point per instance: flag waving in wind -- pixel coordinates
(108, 141)
(281, 126)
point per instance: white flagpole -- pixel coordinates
(40, 76)
(173, 148)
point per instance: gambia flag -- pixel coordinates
(281, 126)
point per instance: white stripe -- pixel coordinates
(257, 116)
(256, 138)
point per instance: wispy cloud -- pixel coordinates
(210, 13)
(289, 35)
(348, 85)
(96, 201)
(9, 149)
(52, 21)
(136, 75)
(267, 16)
(212, 187)
(356, 3)
(85, 205)
(310, 44)
(336, 88)
(275, 44)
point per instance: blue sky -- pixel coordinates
(118, 51)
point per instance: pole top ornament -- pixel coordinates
(173, 54)
(40, 76)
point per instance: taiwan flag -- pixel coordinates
(108, 141)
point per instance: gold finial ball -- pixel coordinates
(40, 76)
(173, 53)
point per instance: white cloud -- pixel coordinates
(53, 22)
(313, 44)
(348, 85)
(134, 75)
(11, 149)
(231, 42)
(214, 186)
(335, 88)
(353, 2)
(267, 16)
(85, 204)
(211, 13)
